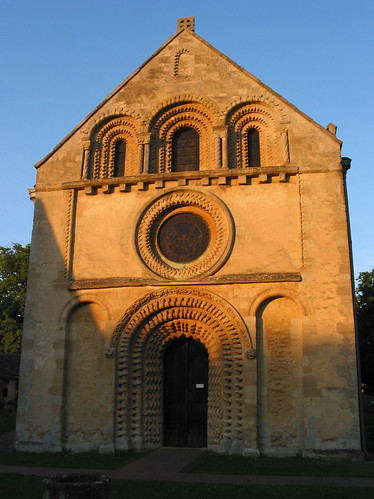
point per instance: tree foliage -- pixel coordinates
(365, 321)
(14, 264)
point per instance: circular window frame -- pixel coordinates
(185, 200)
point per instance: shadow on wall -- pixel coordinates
(67, 389)
(279, 376)
(66, 386)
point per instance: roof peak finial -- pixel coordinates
(186, 23)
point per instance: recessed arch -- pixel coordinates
(86, 381)
(101, 162)
(183, 63)
(140, 339)
(271, 293)
(279, 346)
(78, 300)
(161, 107)
(264, 120)
(168, 121)
(262, 99)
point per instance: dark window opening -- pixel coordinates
(253, 147)
(119, 159)
(185, 150)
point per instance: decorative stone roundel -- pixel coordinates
(184, 234)
(183, 237)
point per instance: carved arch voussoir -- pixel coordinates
(243, 115)
(140, 339)
(102, 154)
(192, 114)
(165, 299)
(163, 106)
(192, 121)
(271, 103)
(118, 125)
(101, 118)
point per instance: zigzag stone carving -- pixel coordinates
(188, 114)
(103, 147)
(261, 117)
(208, 207)
(140, 340)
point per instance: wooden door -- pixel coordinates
(186, 368)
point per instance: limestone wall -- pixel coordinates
(273, 307)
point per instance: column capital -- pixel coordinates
(144, 138)
(221, 130)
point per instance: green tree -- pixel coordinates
(14, 264)
(365, 321)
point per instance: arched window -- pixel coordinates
(185, 150)
(253, 147)
(119, 159)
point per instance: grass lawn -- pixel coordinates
(7, 423)
(209, 462)
(30, 487)
(165, 490)
(368, 401)
(89, 460)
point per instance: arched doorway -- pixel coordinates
(185, 396)
(142, 337)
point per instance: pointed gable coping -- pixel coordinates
(163, 46)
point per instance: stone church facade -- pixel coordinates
(190, 279)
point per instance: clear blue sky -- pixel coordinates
(59, 60)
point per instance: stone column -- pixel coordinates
(221, 146)
(218, 152)
(144, 140)
(146, 158)
(140, 157)
(86, 159)
(286, 150)
(224, 146)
